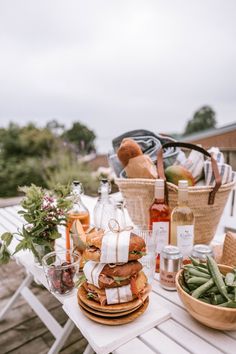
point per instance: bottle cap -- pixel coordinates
(183, 184)
(77, 187)
(76, 183)
(105, 185)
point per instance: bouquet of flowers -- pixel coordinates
(43, 211)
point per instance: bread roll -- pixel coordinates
(127, 150)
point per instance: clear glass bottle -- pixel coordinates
(78, 211)
(104, 209)
(120, 214)
(182, 222)
(159, 219)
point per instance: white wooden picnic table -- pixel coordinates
(178, 334)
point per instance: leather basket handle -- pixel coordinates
(161, 172)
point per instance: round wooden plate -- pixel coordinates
(105, 314)
(126, 306)
(114, 321)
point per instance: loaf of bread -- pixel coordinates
(136, 164)
(127, 150)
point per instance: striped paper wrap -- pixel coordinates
(92, 270)
(119, 295)
(115, 247)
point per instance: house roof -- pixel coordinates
(210, 132)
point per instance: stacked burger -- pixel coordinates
(112, 274)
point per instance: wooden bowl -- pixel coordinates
(217, 317)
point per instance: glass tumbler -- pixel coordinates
(149, 260)
(61, 269)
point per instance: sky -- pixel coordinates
(117, 65)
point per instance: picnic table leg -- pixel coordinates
(60, 341)
(88, 350)
(27, 281)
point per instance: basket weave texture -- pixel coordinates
(138, 195)
(229, 249)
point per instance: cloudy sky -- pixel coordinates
(117, 64)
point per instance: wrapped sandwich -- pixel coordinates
(138, 288)
(114, 247)
(110, 275)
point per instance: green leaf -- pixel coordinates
(54, 235)
(138, 253)
(25, 232)
(90, 295)
(20, 246)
(7, 238)
(5, 255)
(28, 218)
(119, 279)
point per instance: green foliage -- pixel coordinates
(64, 168)
(203, 119)
(40, 156)
(43, 212)
(17, 172)
(81, 136)
(26, 141)
(4, 254)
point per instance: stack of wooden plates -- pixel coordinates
(111, 314)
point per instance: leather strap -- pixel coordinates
(161, 172)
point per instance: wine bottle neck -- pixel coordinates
(159, 194)
(183, 197)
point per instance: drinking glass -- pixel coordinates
(61, 269)
(149, 260)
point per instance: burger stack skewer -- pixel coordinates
(113, 288)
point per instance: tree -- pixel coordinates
(26, 141)
(81, 136)
(203, 119)
(29, 154)
(55, 127)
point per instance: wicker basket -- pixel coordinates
(138, 194)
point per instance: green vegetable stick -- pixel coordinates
(228, 304)
(204, 270)
(213, 290)
(194, 261)
(219, 299)
(197, 280)
(217, 276)
(197, 273)
(203, 288)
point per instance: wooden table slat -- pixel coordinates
(214, 337)
(186, 338)
(134, 346)
(161, 343)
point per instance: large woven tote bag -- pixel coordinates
(207, 202)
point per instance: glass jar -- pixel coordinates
(61, 269)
